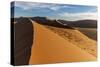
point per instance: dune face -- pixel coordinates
(23, 39)
(76, 38)
(49, 47)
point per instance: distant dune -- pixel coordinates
(90, 32)
(82, 23)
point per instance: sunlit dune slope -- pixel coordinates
(49, 47)
(77, 38)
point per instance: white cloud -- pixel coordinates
(55, 8)
(30, 5)
(79, 16)
(24, 5)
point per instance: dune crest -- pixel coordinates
(48, 47)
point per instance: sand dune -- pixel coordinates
(23, 40)
(40, 43)
(49, 47)
(77, 38)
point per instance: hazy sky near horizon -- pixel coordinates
(55, 11)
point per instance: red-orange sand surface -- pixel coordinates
(49, 47)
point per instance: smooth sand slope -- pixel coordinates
(49, 47)
(77, 38)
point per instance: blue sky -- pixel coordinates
(55, 11)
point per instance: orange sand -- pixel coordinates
(48, 47)
(77, 38)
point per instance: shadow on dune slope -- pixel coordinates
(23, 40)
